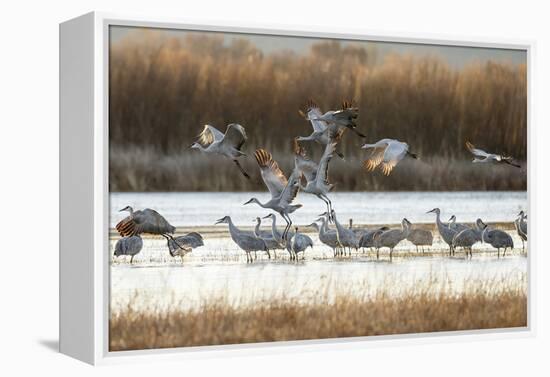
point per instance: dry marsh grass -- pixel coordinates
(163, 89)
(491, 305)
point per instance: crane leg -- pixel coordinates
(241, 169)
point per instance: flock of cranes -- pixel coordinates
(312, 177)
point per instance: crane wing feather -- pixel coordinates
(272, 175)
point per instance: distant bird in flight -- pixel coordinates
(229, 145)
(482, 156)
(386, 153)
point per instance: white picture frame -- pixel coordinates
(84, 195)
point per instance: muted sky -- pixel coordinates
(456, 56)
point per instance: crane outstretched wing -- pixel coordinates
(476, 151)
(313, 112)
(392, 155)
(209, 135)
(272, 175)
(306, 166)
(322, 172)
(235, 136)
(376, 157)
(291, 189)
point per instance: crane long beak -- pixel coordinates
(250, 201)
(265, 217)
(218, 221)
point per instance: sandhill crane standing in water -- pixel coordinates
(247, 241)
(444, 230)
(182, 245)
(452, 224)
(480, 156)
(326, 235)
(346, 237)
(267, 236)
(283, 191)
(298, 243)
(275, 232)
(386, 153)
(420, 237)
(368, 240)
(392, 237)
(521, 228)
(497, 239)
(130, 245)
(317, 182)
(229, 145)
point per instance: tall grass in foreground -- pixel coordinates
(416, 311)
(146, 169)
(162, 90)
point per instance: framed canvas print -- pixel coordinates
(225, 187)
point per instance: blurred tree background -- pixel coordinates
(164, 89)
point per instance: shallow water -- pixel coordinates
(193, 209)
(218, 270)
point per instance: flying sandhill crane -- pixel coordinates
(182, 245)
(420, 237)
(322, 134)
(521, 228)
(497, 238)
(247, 241)
(298, 243)
(480, 156)
(130, 245)
(392, 237)
(145, 221)
(386, 153)
(340, 120)
(283, 191)
(267, 236)
(318, 183)
(444, 230)
(229, 145)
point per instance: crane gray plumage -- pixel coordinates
(275, 232)
(326, 235)
(480, 156)
(367, 240)
(247, 241)
(420, 237)
(346, 237)
(386, 154)
(130, 245)
(392, 237)
(452, 224)
(298, 243)
(467, 237)
(146, 221)
(182, 245)
(213, 141)
(521, 228)
(446, 233)
(497, 238)
(283, 191)
(318, 183)
(267, 236)
(339, 120)
(321, 134)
